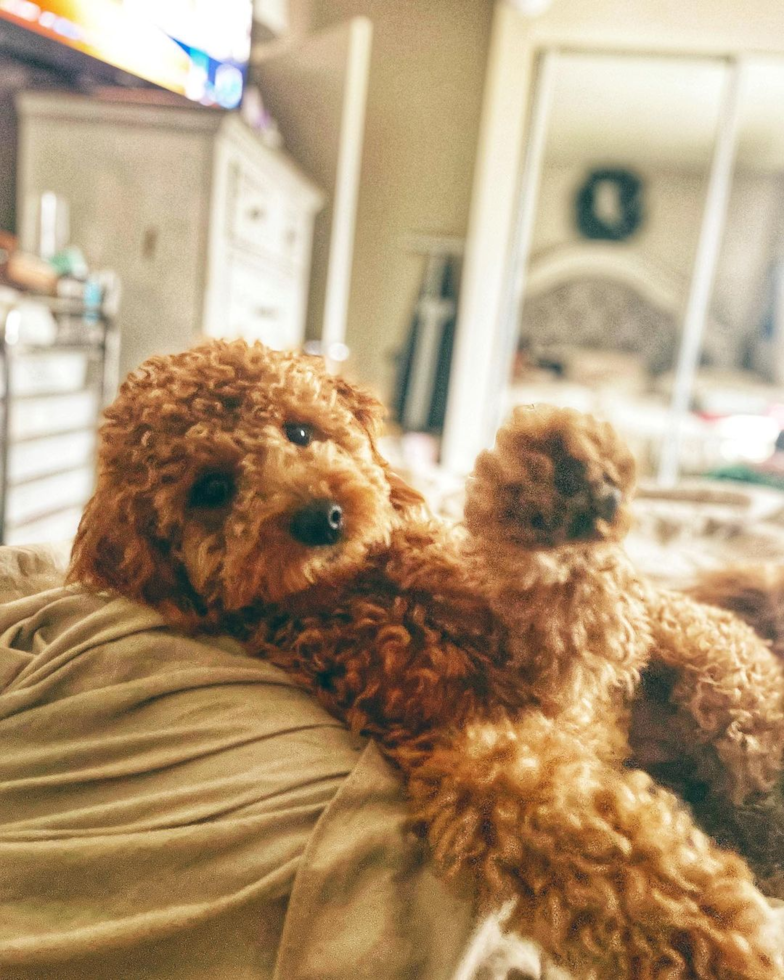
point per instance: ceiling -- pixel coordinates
(661, 112)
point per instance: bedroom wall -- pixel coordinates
(672, 205)
(668, 237)
(426, 79)
(14, 78)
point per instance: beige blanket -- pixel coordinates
(171, 808)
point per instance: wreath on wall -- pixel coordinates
(609, 205)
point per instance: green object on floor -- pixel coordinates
(743, 473)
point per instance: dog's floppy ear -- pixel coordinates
(116, 549)
(106, 553)
(111, 550)
(364, 405)
(370, 412)
(401, 494)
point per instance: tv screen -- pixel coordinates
(197, 48)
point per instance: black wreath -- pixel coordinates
(630, 196)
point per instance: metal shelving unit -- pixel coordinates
(58, 369)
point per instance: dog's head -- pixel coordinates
(232, 475)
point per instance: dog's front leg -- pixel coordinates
(607, 872)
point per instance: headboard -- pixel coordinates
(608, 296)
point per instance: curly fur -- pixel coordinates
(753, 592)
(497, 665)
(755, 827)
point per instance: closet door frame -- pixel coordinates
(511, 145)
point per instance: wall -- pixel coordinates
(424, 99)
(16, 77)
(668, 235)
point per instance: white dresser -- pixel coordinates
(209, 230)
(57, 370)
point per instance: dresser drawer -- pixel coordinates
(33, 417)
(297, 237)
(38, 499)
(264, 304)
(52, 372)
(265, 216)
(256, 211)
(54, 528)
(40, 457)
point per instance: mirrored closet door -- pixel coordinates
(646, 272)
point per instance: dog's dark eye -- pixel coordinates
(300, 433)
(212, 490)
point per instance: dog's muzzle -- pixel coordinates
(318, 524)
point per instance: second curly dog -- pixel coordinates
(241, 490)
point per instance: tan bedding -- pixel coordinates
(172, 808)
(702, 525)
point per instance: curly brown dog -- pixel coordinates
(241, 490)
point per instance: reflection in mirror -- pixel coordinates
(739, 389)
(628, 150)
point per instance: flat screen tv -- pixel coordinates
(197, 48)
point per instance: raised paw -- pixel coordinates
(554, 477)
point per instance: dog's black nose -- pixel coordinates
(604, 506)
(318, 524)
(608, 502)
